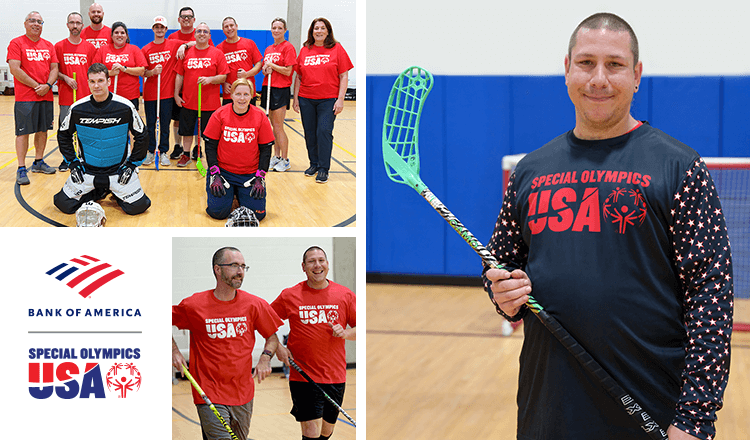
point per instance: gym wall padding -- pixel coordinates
(470, 122)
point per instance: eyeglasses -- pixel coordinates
(202, 31)
(34, 20)
(75, 23)
(186, 17)
(236, 266)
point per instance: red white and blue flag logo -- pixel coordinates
(84, 274)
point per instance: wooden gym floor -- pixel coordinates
(271, 418)
(178, 195)
(437, 367)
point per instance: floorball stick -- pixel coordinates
(401, 157)
(157, 132)
(208, 402)
(198, 163)
(309, 379)
(75, 135)
(115, 89)
(268, 94)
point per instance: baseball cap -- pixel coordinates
(160, 20)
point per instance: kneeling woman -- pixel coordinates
(238, 150)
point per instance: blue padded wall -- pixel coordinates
(470, 122)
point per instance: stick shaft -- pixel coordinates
(208, 402)
(268, 94)
(633, 408)
(309, 379)
(157, 132)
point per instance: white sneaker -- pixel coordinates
(165, 162)
(274, 161)
(282, 165)
(149, 159)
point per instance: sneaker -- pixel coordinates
(282, 165)
(63, 166)
(322, 176)
(177, 152)
(184, 160)
(194, 155)
(165, 162)
(149, 158)
(274, 161)
(41, 167)
(311, 171)
(21, 177)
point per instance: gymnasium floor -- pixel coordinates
(178, 195)
(438, 368)
(271, 418)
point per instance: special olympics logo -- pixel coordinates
(241, 328)
(624, 207)
(333, 316)
(123, 377)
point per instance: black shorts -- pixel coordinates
(188, 119)
(33, 116)
(308, 403)
(175, 111)
(280, 97)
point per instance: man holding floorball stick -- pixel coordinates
(617, 229)
(316, 344)
(222, 323)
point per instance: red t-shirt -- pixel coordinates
(166, 55)
(74, 58)
(309, 311)
(319, 69)
(102, 37)
(128, 86)
(36, 60)
(222, 338)
(239, 137)
(207, 62)
(240, 55)
(282, 54)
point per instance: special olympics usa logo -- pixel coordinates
(123, 377)
(84, 274)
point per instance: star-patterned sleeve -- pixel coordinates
(506, 243)
(704, 263)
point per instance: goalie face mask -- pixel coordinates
(242, 217)
(90, 215)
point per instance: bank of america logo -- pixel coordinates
(84, 274)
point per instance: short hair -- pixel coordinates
(242, 82)
(186, 8)
(329, 41)
(74, 13)
(311, 248)
(609, 21)
(32, 12)
(118, 24)
(219, 255)
(98, 68)
(279, 19)
(228, 18)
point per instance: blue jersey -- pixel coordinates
(103, 134)
(625, 244)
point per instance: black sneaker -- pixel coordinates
(311, 171)
(322, 176)
(194, 154)
(177, 152)
(63, 166)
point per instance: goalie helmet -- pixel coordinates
(90, 215)
(242, 217)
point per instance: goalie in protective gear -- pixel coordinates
(102, 121)
(238, 151)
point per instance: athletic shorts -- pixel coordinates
(308, 403)
(238, 418)
(33, 117)
(188, 119)
(175, 111)
(280, 97)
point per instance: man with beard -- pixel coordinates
(222, 324)
(97, 33)
(75, 55)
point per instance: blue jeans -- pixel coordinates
(221, 207)
(317, 120)
(165, 113)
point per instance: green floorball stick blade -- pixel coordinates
(401, 126)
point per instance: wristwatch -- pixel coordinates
(268, 352)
